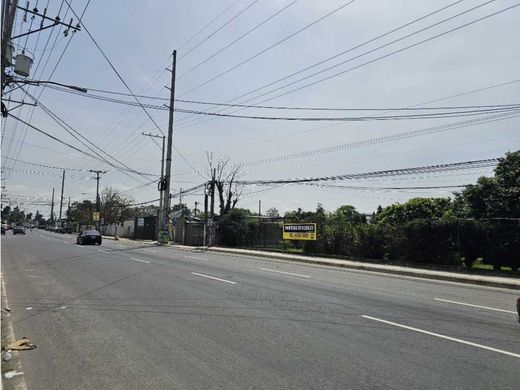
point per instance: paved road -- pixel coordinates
(123, 316)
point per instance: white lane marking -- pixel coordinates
(196, 258)
(285, 273)
(212, 277)
(142, 261)
(28, 308)
(100, 250)
(65, 242)
(443, 336)
(477, 306)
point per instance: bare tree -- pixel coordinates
(226, 177)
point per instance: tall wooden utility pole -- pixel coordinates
(167, 175)
(52, 207)
(8, 17)
(61, 198)
(98, 201)
(161, 186)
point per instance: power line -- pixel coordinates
(387, 138)
(359, 119)
(478, 110)
(296, 108)
(350, 49)
(358, 56)
(124, 82)
(208, 24)
(29, 118)
(378, 58)
(221, 50)
(68, 128)
(72, 146)
(218, 29)
(392, 172)
(112, 66)
(269, 47)
(47, 166)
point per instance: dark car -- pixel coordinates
(19, 229)
(89, 237)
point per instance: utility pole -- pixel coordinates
(68, 213)
(61, 198)
(180, 198)
(204, 239)
(162, 184)
(195, 210)
(212, 194)
(167, 176)
(8, 16)
(98, 201)
(259, 208)
(52, 207)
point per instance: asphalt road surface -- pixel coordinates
(123, 316)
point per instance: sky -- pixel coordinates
(237, 51)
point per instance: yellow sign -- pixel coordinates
(299, 231)
(95, 216)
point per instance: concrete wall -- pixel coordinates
(125, 229)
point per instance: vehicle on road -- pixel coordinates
(20, 229)
(89, 237)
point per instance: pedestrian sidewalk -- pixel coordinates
(494, 281)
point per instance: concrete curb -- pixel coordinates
(492, 281)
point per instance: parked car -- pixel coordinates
(20, 229)
(89, 237)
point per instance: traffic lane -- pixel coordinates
(302, 308)
(195, 367)
(59, 270)
(393, 287)
(438, 349)
(418, 288)
(101, 330)
(486, 327)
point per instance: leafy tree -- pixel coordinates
(235, 228)
(6, 211)
(147, 211)
(115, 207)
(16, 216)
(39, 218)
(81, 212)
(417, 208)
(493, 197)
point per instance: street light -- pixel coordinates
(39, 82)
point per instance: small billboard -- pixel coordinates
(299, 231)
